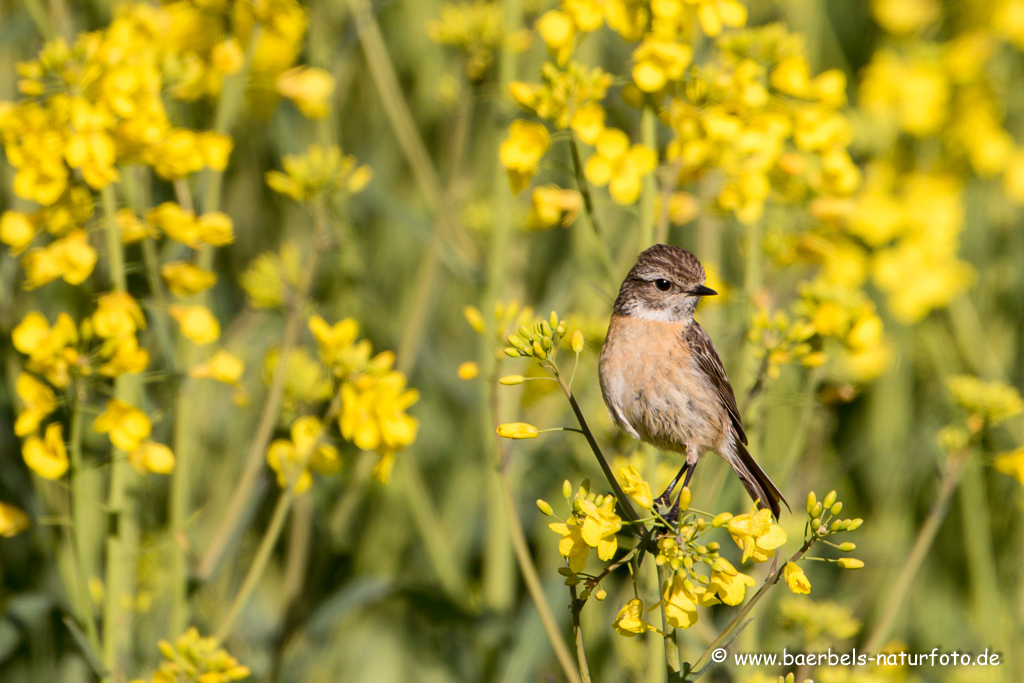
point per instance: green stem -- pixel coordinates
(725, 637)
(122, 530)
(498, 570)
(581, 655)
(232, 95)
(253, 465)
(649, 138)
(273, 530)
(78, 520)
(258, 566)
(638, 529)
(536, 591)
(671, 647)
(588, 208)
(925, 537)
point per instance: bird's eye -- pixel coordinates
(662, 284)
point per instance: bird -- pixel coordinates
(662, 378)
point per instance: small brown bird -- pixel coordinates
(662, 378)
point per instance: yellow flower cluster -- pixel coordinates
(758, 116)
(194, 658)
(985, 402)
(478, 30)
(903, 231)
(372, 411)
(13, 520)
(293, 459)
(592, 524)
(319, 170)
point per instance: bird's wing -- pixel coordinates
(704, 352)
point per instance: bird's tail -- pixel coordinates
(755, 481)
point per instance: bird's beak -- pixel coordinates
(701, 290)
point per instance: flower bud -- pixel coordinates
(538, 351)
(512, 353)
(836, 509)
(829, 499)
(855, 524)
(525, 332)
(509, 380)
(545, 329)
(468, 370)
(566, 489)
(847, 547)
(600, 594)
(546, 343)
(815, 524)
(849, 563)
(553, 320)
(721, 519)
(561, 328)
(684, 499)
(816, 510)
(544, 507)
(577, 341)
(714, 546)
(474, 318)
(811, 501)
(517, 430)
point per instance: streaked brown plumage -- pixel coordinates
(661, 376)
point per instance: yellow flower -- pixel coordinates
(796, 579)
(184, 279)
(337, 344)
(373, 412)
(12, 520)
(292, 459)
(714, 14)
(905, 16)
(620, 166)
(993, 401)
(48, 456)
(600, 526)
(320, 169)
(572, 546)
(17, 231)
(517, 430)
(680, 603)
(629, 621)
(227, 57)
(521, 152)
(152, 457)
(117, 315)
(215, 228)
(726, 584)
(123, 356)
(223, 367)
(792, 76)
(126, 425)
(550, 205)
(1011, 463)
(588, 122)
(176, 223)
(468, 370)
(133, 228)
(39, 401)
(49, 350)
(176, 155)
(558, 31)
(309, 87)
(197, 322)
(215, 149)
(635, 486)
(756, 534)
(658, 60)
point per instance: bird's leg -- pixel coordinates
(688, 467)
(665, 497)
